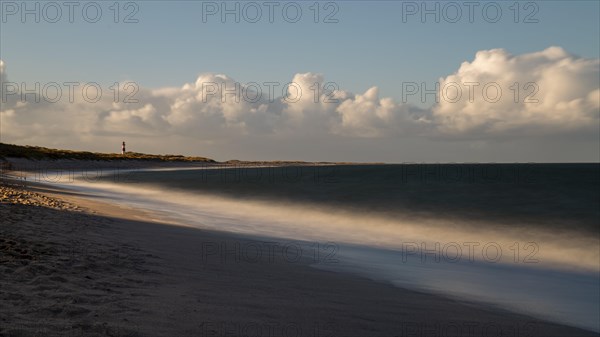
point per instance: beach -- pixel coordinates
(300, 168)
(75, 266)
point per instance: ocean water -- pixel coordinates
(522, 237)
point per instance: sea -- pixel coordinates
(518, 237)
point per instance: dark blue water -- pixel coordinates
(560, 196)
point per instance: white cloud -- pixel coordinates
(556, 92)
(208, 111)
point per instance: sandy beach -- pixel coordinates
(75, 267)
(300, 168)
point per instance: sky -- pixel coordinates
(380, 81)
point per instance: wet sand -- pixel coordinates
(74, 267)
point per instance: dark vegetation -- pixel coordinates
(40, 153)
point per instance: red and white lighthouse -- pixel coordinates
(123, 149)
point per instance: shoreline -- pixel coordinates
(27, 164)
(175, 280)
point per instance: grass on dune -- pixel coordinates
(39, 153)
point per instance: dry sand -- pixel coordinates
(74, 267)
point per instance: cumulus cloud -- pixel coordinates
(555, 92)
(502, 94)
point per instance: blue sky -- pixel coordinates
(371, 45)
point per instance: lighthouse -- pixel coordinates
(123, 149)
